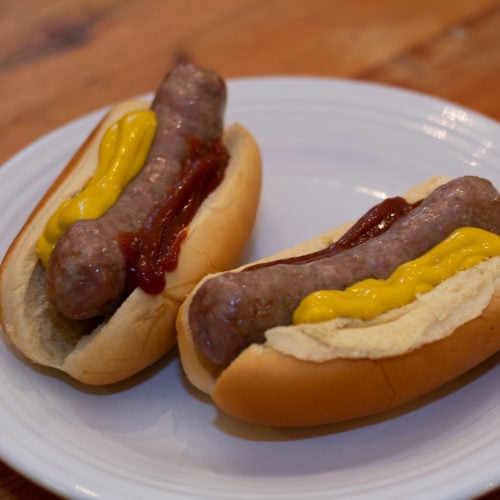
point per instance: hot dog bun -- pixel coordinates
(142, 329)
(293, 380)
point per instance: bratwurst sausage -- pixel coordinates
(87, 271)
(233, 310)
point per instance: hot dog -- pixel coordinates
(96, 295)
(238, 344)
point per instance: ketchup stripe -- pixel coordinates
(373, 223)
(155, 249)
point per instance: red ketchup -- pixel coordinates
(373, 223)
(154, 250)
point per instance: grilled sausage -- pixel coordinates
(87, 272)
(233, 310)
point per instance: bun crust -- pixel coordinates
(266, 386)
(142, 329)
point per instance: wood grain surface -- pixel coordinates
(60, 59)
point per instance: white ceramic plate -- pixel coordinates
(331, 149)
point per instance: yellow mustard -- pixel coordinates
(122, 153)
(366, 299)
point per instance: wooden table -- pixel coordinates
(60, 59)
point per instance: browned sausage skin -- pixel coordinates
(233, 310)
(86, 275)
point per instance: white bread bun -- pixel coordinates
(321, 373)
(142, 329)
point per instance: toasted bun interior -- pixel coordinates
(143, 328)
(430, 317)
